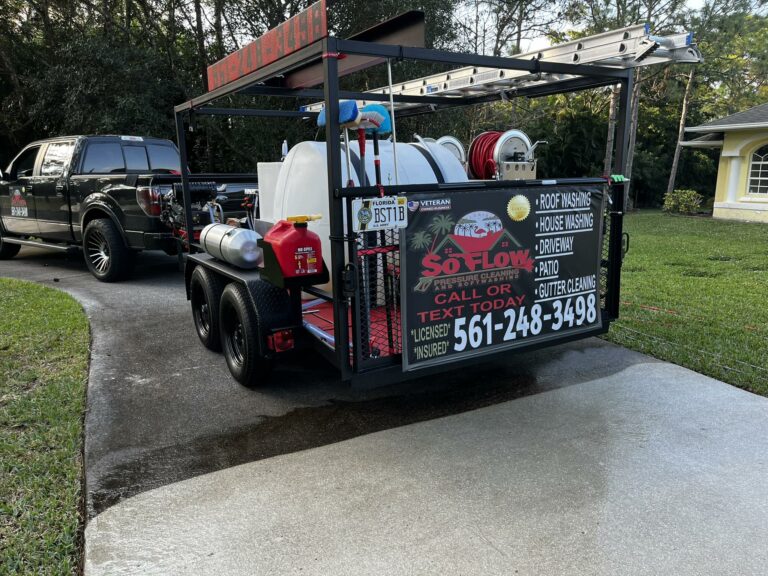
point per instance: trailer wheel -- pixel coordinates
(8, 251)
(205, 288)
(241, 337)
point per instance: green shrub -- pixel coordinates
(682, 201)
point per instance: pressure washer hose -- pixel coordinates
(481, 162)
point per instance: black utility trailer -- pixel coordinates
(425, 298)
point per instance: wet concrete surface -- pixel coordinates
(161, 408)
(652, 470)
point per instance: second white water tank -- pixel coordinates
(302, 185)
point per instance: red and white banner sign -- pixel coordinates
(299, 31)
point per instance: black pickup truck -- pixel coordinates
(111, 195)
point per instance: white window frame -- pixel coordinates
(758, 159)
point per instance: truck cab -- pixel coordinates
(102, 193)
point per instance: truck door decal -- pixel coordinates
(19, 207)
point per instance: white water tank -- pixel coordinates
(302, 186)
(268, 173)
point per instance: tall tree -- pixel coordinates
(202, 58)
(733, 35)
(604, 15)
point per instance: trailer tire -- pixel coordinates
(7, 251)
(205, 288)
(107, 256)
(242, 340)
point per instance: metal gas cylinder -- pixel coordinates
(236, 246)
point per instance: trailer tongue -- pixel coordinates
(428, 268)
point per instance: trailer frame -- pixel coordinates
(328, 51)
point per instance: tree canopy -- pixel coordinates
(119, 66)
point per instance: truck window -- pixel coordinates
(103, 158)
(25, 164)
(163, 158)
(136, 158)
(57, 157)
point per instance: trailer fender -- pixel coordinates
(189, 267)
(272, 306)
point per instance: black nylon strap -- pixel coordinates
(432, 163)
(355, 164)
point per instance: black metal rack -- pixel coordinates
(329, 51)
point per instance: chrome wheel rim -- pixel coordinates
(98, 251)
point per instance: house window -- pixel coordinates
(758, 171)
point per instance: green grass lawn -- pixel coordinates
(44, 342)
(695, 292)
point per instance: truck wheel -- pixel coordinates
(107, 256)
(8, 251)
(241, 337)
(205, 288)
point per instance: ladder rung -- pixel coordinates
(625, 48)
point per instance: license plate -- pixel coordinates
(379, 213)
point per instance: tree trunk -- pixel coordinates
(519, 31)
(232, 36)
(202, 61)
(128, 17)
(171, 36)
(106, 13)
(680, 132)
(611, 141)
(217, 27)
(172, 22)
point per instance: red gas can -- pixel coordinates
(297, 248)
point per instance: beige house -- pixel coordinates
(742, 175)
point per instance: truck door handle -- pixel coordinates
(60, 190)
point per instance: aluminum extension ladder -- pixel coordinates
(629, 47)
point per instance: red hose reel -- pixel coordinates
(481, 162)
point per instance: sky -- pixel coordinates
(542, 42)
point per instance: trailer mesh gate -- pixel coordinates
(378, 326)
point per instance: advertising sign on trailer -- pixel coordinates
(299, 31)
(487, 270)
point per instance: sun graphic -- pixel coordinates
(518, 208)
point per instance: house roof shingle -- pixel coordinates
(753, 118)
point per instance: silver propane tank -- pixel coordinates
(236, 246)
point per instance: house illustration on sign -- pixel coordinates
(742, 174)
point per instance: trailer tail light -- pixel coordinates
(149, 199)
(280, 341)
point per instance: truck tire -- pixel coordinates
(205, 288)
(242, 340)
(8, 251)
(107, 256)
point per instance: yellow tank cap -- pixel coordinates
(305, 218)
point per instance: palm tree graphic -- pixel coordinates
(420, 240)
(440, 226)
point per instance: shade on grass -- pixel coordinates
(695, 292)
(44, 342)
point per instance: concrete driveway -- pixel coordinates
(654, 470)
(161, 408)
(581, 459)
